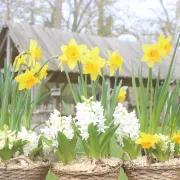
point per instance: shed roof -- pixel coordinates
(51, 39)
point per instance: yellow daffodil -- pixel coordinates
(115, 61)
(165, 45)
(35, 53)
(72, 53)
(122, 94)
(94, 64)
(176, 137)
(152, 54)
(147, 141)
(20, 61)
(26, 80)
(41, 73)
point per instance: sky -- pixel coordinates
(141, 10)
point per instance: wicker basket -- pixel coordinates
(30, 171)
(160, 171)
(108, 169)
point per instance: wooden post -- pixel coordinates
(58, 14)
(34, 91)
(108, 81)
(57, 98)
(57, 101)
(9, 51)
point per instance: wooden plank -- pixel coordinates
(9, 51)
(50, 75)
(3, 42)
(34, 92)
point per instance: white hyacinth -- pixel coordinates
(31, 137)
(172, 147)
(57, 123)
(164, 142)
(6, 133)
(128, 124)
(89, 112)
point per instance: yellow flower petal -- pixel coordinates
(144, 58)
(94, 76)
(27, 80)
(151, 54)
(41, 72)
(122, 94)
(72, 53)
(19, 61)
(147, 141)
(72, 64)
(72, 42)
(145, 48)
(165, 45)
(93, 64)
(176, 137)
(151, 63)
(95, 52)
(35, 53)
(109, 53)
(38, 53)
(115, 62)
(63, 48)
(111, 71)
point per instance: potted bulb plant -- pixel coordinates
(21, 150)
(158, 135)
(89, 125)
(93, 122)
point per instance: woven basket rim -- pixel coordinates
(32, 165)
(152, 168)
(86, 172)
(110, 172)
(110, 169)
(128, 164)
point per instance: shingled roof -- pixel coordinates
(50, 40)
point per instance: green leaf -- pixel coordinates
(66, 108)
(47, 141)
(150, 120)
(65, 149)
(6, 153)
(131, 148)
(85, 144)
(38, 151)
(106, 137)
(176, 149)
(160, 154)
(93, 143)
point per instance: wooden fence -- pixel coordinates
(43, 112)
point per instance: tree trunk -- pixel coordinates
(58, 14)
(100, 17)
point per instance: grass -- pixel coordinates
(116, 152)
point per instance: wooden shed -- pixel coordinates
(14, 38)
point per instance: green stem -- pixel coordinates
(82, 80)
(151, 101)
(52, 57)
(70, 85)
